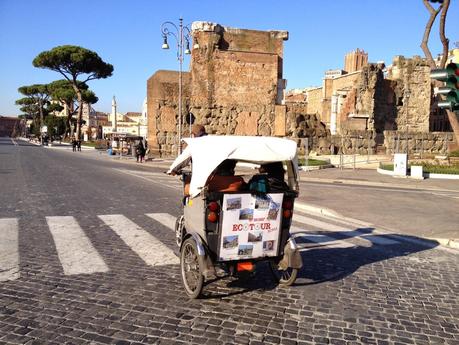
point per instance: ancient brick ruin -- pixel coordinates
(235, 86)
(376, 109)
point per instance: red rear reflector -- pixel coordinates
(212, 217)
(287, 204)
(287, 213)
(245, 266)
(213, 206)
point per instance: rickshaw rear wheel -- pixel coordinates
(179, 224)
(284, 277)
(191, 270)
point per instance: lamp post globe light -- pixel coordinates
(182, 35)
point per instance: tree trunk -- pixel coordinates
(454, 122)
(452, 117)
(444, 40)
(428, 28)
(68, 121)
(40, 108)
(80, 114)
(80, 107)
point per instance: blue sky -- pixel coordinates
(127, 35)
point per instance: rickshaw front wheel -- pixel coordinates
(284, 277)
(191, 270)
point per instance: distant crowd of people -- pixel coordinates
(76, 145)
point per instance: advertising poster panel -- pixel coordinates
(250, 226)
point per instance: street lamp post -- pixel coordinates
(180, 33)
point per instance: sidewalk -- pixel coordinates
(365, 177)
(373, 178)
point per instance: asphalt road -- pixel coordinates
(86, 257)
(416, 212)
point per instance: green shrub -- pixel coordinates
(311, 162)
(98, 144)
(88, 143)
(441, 169)
(454, 153)
(386, 166)
(428, 168)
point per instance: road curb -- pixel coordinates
(425, 175)
(451, 243)
(316, 209)
(444, 242)
(373, 184)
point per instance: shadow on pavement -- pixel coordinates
(227, 286)
(323, 263)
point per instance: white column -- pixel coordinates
(334, 113)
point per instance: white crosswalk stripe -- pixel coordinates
(165, 219)
(319, 239)
(357, 235)
(9, 249)
(76, 253)
(157, 178)
(78, 256)
(150, 250)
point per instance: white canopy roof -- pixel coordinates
(209, 151)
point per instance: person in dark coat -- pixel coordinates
(74, 144)
(139, 152)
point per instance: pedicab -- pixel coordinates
(229, 229)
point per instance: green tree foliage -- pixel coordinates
(29, 107)
(63, 92)
(36, 102)
(73, 62)
(56, 125)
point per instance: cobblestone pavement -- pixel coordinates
(348, 292)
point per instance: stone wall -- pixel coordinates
(234, 86)
(413, 93)
(314, 99)
(301, 125)
(433, 142)
(344, 82)
(370, 79)
(9, 126)
(355, 61)
(295, 96)
(235, 79)
(354, 142)
(162, 102)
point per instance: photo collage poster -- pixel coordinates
(250, 226)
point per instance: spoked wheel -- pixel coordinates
(285, 277)
(179, 224)
(191, 270)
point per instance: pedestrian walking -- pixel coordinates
(143, 152)
(74, 145)
(79, 145)
(138, 152)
